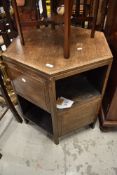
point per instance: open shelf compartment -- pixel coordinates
(82, 87)
(76, 88)
(85, 90)
(38, 116)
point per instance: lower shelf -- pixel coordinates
(36, 115)
(40, 118)
(76, 88)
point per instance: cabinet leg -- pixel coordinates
(0, 155)
(106, 129)
(26, 121)
(92, 125)
(56, 140)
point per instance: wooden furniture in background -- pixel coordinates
(108, 118)
(40, 80)
(30, 13)
(102, 13)
(17, 19)
(86, 11)
(68, 4)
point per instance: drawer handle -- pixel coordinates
(24, 80)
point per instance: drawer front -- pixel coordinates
(30, 86)
(78, 116)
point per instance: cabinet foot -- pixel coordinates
(56, 140)
(26, 121)
(0, 155)
(105, 129)
(92, 125)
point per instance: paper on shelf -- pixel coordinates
(63, 103)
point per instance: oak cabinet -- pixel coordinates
(40, 74)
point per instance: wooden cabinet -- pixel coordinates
(108, 117)
(40, 75)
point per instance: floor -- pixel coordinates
(27, 150)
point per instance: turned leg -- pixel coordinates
(95, 18)
(68, 4)
(67, 29)
(56, 140)
(18, 21)
(53, 12)
(26, 121)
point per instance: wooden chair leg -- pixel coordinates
(8, 100)
(84, 12)
(67, 29)
(95, 18)
(44, 9)
(52, 13)
(68, 4)
(18, 21)
(77, 10)
(37, 13)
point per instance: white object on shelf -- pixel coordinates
(63, 103)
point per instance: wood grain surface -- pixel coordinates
(46, 47)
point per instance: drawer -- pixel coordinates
(29, 85)
(78, 116)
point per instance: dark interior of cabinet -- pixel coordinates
(82, 86)
(97, 77)
(36, 115)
